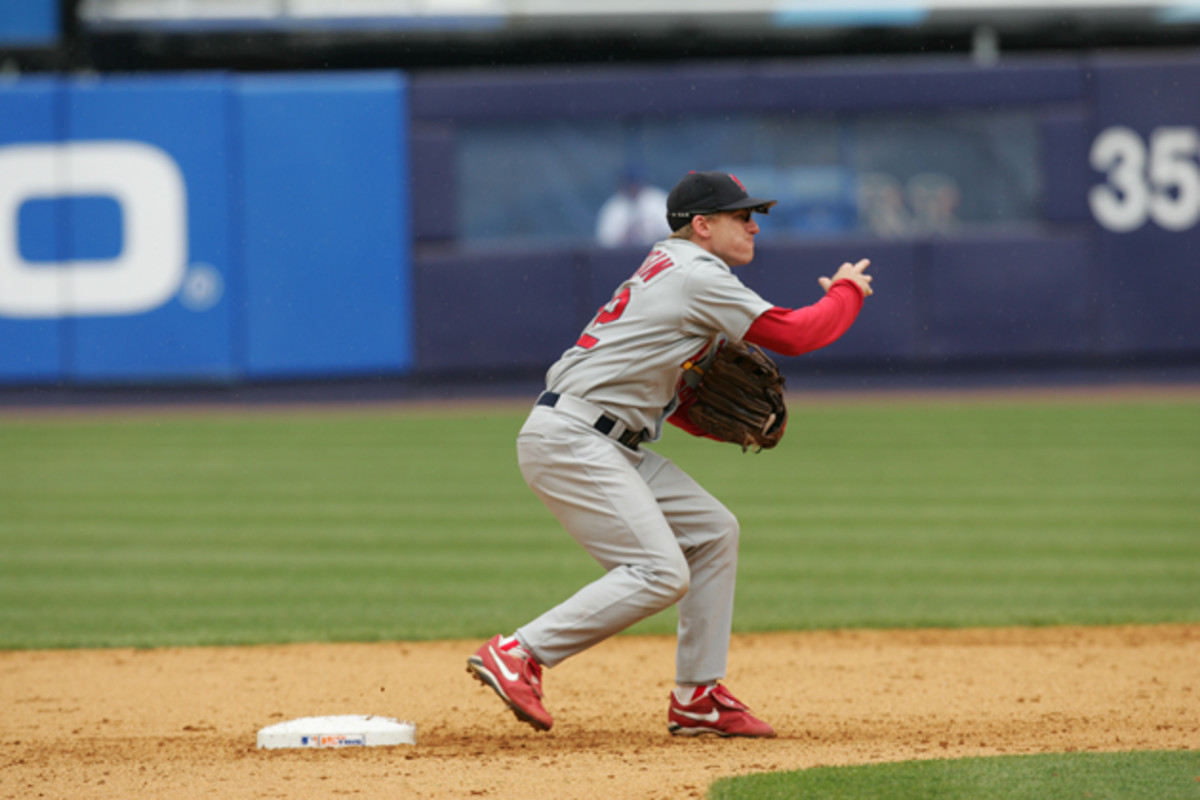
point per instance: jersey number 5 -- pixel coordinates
(610, 311)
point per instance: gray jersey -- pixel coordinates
(629, 359)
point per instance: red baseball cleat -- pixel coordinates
(517, 680)
(716, 712)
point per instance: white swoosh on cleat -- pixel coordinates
(711, 716)
(509, 675)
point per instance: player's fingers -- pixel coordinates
(825, 283)
(862, 265)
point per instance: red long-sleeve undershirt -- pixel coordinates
(795, 331)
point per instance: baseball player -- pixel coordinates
(661, 538)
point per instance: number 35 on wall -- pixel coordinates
(1159, 183)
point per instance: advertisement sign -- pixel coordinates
(31, 349)
(203, 228)
(157, 309)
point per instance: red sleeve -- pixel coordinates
(791, 332)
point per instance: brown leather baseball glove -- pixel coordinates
(740, 398)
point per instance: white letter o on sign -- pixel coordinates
(149, 188)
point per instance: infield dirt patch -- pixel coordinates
(181, 722)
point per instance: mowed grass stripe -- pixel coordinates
(331, 526)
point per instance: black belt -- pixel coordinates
(605, 423)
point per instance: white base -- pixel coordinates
(347, 730)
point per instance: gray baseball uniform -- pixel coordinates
(661, 537)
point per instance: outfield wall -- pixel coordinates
(222, 229)
(210, 229)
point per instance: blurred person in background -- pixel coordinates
(635, 215)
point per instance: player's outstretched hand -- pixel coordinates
(855, 273)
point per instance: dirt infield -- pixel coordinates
(181, 722)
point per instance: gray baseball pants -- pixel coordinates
(661, 538)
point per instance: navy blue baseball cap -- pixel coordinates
(708, 193)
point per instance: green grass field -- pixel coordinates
(1095, 776)
(391, 525)
(170, 529)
